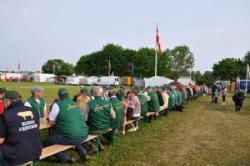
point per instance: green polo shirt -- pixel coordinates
(153, 104)
(144, 104)
(119, 112)
(99, 114)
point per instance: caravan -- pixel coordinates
(108, 80)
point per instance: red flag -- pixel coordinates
(158, 40)
(19, 66)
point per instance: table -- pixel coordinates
(44, 125)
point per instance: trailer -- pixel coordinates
(89, 80)
(108, 80)
(43, 77)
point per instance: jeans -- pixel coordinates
(3, 161)
(60, 139)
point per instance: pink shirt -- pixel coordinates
(134, 103)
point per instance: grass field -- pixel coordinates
(204, 134)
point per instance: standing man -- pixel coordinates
(121, 93)
(224, 92)
(71, 128)
(37, 101)
(238, 99)
(2, 94)
(19, 132)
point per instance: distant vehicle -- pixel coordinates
(74, 80)
(127, 80)
(242, 85)
(89, 80)
(108, 80)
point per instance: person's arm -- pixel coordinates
(2, 130)
(112, 113)
(45, 113)
(53, 114)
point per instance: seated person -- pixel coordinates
(82, 100)
(118, 107)
(37, 101)
(71, 128)
(153, 103)
(19, 132)
(100, 113)
(144, 103)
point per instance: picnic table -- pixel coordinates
(44, 125)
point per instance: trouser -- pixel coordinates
(60, 139)
(212, 97)
(224, 98)
(3, 161)
(238, 107)
(215, 99)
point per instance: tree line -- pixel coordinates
(126, 62)
(172, 63)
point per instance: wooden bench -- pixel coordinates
(150, 113)
(30, 163)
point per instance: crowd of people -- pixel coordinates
(92, 111)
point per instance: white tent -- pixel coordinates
(185, 81)
(157, 81)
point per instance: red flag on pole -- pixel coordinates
(19, 66)
(158, 40)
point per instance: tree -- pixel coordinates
(58, 67)
(180, 57)
(228, 69)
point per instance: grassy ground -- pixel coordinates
(204, 134)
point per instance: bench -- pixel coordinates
(30, 163)
(54, 149)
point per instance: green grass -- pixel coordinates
(204, 134)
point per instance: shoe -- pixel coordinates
(132, 129)
(137, 128)
(70, 160)
(85, 158)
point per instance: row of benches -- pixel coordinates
(54, 149)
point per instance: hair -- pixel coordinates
(66, 95)
(97, 91)
(134, 91)
(111, 93)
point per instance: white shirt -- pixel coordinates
(54, 112)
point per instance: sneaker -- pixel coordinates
(132, 129)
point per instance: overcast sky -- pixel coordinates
(33, 31)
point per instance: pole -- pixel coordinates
(156, 56)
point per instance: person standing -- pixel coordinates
(71, 128)
(37, 101)
(224, 92)
(2, 94)
(238, 99)
(19, 132)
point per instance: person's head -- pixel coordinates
(10, 97)
(2, 92)
(37, 91)
(98, 91)
(84, 91)
(122, 88)
(149, 89)
(112, 93)
(62, 93)
(133, 93)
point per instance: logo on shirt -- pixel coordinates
(25, 114)
(71, 107)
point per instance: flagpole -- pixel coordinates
(156, 56)
(247, 74)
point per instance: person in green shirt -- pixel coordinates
(171, 101)
(144, 103)
(153, 103)
(100, 113)
(71, 128)
(119, 109)
(37, 101)
(121, 93)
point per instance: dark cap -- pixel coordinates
(62, 92)
(12, 95)
(85, 90)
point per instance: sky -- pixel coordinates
(33, 31)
